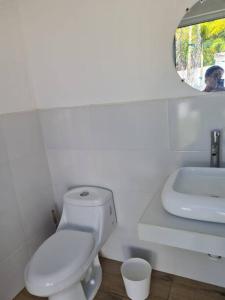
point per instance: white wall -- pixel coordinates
(69, 53)
(15, 91)
(26, 195)
(101, 51)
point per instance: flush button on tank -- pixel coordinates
(84, 194)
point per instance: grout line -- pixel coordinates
(171, 286)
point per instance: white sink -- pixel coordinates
(196, 193)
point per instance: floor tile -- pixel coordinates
(186, 289)
(163, 287)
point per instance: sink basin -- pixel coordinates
(196, 193)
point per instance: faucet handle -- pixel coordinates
(215, 148)
(215, 134)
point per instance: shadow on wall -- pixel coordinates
(130, 252)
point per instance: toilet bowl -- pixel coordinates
(66, 265)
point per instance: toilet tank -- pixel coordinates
(91, 209)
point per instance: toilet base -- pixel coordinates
(85, 290)
(93, 279)
(72, 293)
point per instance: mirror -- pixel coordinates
(199, 46)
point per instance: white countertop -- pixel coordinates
(158, 226)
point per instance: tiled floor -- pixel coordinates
(163, 287)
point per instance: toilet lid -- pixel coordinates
(60, 256)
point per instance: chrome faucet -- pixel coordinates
(215, 148)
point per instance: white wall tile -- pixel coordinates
(129, 169)
(66, 128)
(11, 231)
(137, 125)
(36, 205)
(59, 190)
(191, 121)
(189, 159)
(36, 240)
(34, 194)
(3, 149)
(12, 273)
(56, 127)
(69, 167)
(31, 171)
(26, 197)
(142, 170)
(22, 134)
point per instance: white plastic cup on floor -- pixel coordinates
(136, 273)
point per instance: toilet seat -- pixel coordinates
(59, 257)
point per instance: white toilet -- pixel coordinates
(66, 265)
